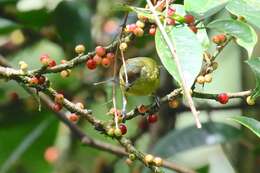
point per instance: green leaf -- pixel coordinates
(7, 26)
(190, 137)
(254, 64)
(245, 35)
(188, 50)
(249, 9)
(250, 123)
(204, 8)
(72, 19)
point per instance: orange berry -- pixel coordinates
(51, 154)
(100, 51)
(106, 62)
(73, 117)
(98, 59)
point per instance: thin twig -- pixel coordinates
(177, 62)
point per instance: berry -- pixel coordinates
(216, 39)
(250, 101)
(123, 46)
(174, 103)
(52, 63)
(123, 128)
(142, 109)
(59, 98)
(152, 118)
(106, 62)
(222, 38)
(170, 21)
(152, 31)
(140, 24)
(110, 56)
(158, 161)
(51, 154)
(65, 73)
(201, 80)
(100, 51)
(171, 11)
(130, 28)
(223, 98)
(118, 132)
(41, 79)
(80, 105)
(33, 81)
(208, 78)
(98, 59)
(193, 28)
(139, 32)
(189, 19)
(80, 49)
(132, 157)
(23, 65)
(57, 107)
(111, 132)
(73, 117)
(45, 59)
(91, 64)
(148, 158)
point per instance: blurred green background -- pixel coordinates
(29, 28)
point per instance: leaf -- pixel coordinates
(190, 137)
(250, 123)
(72, 19)
(245, 35)
(188, 49)
(249, 9)
(254, 64)
(7, 26)
(202, 9)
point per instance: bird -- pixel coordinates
(140, 76)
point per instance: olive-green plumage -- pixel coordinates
(143, 76)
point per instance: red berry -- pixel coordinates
(100, 51)
(97, 59)
(73, 117)
(170, 21)
(152, 118)
(171, 11)
(189, 19)
(123, 128)
(193, 28)
(106, 62)
(110, 56)
(222, 37)
(223, 98)
(152, 31)
(14, 96)
(216, 39)
(41, 79)
(34, 81)
(57, 107)
(52, 63)
(91, 64)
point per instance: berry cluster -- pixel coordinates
(117, 132)
(47, 61)
(151, 118)
(219, 39)
(101, 58)
(150, 159)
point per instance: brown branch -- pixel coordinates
(126, 143)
